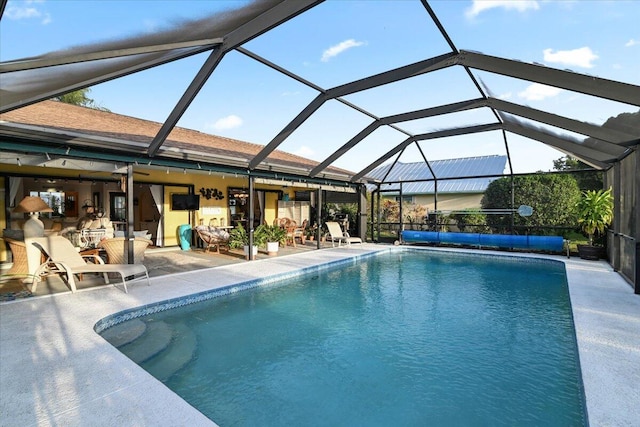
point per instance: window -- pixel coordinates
(118, 203)
(405, 199)
(54, 199)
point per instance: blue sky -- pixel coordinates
(339, 41)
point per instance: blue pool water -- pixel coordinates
(408, 338)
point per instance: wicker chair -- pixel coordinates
(290, 227)
(19, 254)
(115, 248)
(213, 237)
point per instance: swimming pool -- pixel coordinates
(405, 338)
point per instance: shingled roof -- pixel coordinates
(61, 118)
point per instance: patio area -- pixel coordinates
(159, 262)
(57, 371)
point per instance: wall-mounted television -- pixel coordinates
(185, 202)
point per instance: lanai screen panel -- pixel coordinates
(327, 46)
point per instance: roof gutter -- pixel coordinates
(141, 161)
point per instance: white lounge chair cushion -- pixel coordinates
(65, 256)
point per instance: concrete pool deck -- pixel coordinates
(55, 370)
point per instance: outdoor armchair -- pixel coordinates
(115, 248)
(213, 237)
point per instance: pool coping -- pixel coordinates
(57, 370)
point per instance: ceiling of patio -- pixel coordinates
(356, 105)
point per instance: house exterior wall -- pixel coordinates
(449, 201)
(145, 215)
(3, 220)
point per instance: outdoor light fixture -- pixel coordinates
(68, 149)
(48, 156)
(33, 227)
(64, 162)
(19, 162)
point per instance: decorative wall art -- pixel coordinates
(209, 193)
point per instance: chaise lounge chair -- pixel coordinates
(63, 256)
(337, 235)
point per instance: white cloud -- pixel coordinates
(229, 122)
(26, 10)
(632, 42)
(339, 48)
(304, 151)
(582, 57)
(538, 92)
(506, 95)
(17, 12)
(479, 6)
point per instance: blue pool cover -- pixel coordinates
(541, 243)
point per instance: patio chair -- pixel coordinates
(337, 235)
(298, 232)
(115, 249)
(63, 257)
(213, 237)
(281, 222)
(290, 227)
(19, 254)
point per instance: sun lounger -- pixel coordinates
(63, 256)
(337, 235)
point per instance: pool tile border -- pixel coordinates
(156, 307)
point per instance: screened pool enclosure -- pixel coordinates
(425, 81)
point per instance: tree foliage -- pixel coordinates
(586, 180)
(79, 97)
(471, 221)
(553, 198)
(390, 211)
(413, 213)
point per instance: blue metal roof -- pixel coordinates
(469, 166)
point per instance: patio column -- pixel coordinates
(400, 213)
(319, 219)
(251, 217)
(130, 215)
(379, 215)
(362, 216)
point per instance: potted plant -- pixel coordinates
(595, 213)
(239, 238)
(271, 235)
(310, 233)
